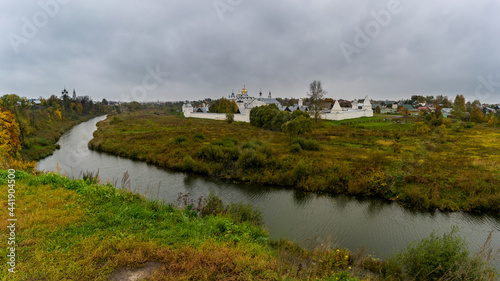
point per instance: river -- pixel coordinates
(382, 227)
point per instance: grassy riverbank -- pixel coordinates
(81, 230)
(454, 168)
(42, 141)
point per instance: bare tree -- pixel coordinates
(316, 94)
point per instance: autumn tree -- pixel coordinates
(476, 115)
(227, 106)
(316, 94)
(9, 133)
(459, 108)
(493, 121)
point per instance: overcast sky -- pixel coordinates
(190, 50)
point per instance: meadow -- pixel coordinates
(452, 168)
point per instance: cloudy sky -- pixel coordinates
(189, 50)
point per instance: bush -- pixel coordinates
(212, 206)
(254, 144)
(297, 126)
(218, 153)
(432, 258)
(306, 144)
(188, 163)
(300, 170)
(115, 120)
(239, 212)
(227, 142)
(179, 140)
(230, 117)
(199, 136)
(295, 148)
(422, 128)
(250, 158)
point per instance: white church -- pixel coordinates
(245, 104)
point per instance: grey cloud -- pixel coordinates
(103, 48)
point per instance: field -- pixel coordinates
(451, 168)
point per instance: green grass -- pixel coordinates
(366, 159)
(78, 230)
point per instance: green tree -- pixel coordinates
(297, 126)
(316, 94)
(459, 108)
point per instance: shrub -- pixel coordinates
(446, 122)
(212, 206)
(188, 163)
(295, 148)
(300, 170)
(250, 158)
(422, 128)
(199, 136)
(115, 120)
(230, 117)
(239, 212)
(306, 144)
(179, 140)
(297, 126)
(254, 144)
(227, 142)
(218, 153)
(432, 258)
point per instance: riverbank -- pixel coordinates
(87, 231)
(42, 141)
(380, 159)
(84, 230)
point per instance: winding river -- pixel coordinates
(382, 227)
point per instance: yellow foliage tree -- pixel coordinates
(9, 134)
(493, 121)
(57, 114)
(10, 144)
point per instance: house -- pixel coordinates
(424, 108)
(446, 111)
(35, 101)
(409, 107)
(389, 104)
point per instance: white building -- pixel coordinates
(246, 103)
(357, 110)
